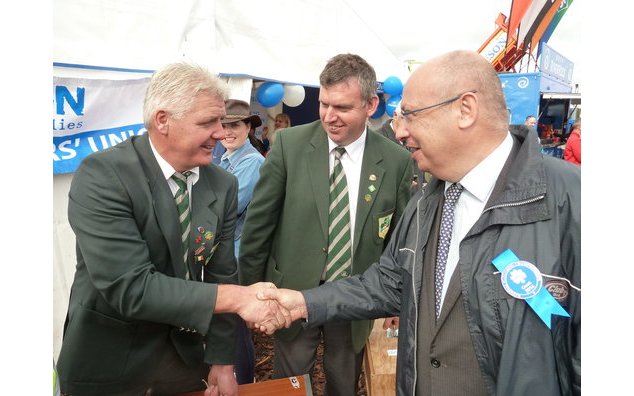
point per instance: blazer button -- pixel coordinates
(324, 250)
(435, 363)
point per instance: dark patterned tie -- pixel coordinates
(339, 258)
(184, 217)
(444, 240)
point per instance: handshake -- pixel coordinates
(266, 308)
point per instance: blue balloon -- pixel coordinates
(391, 104)
(270, 93)
(380, 109)
(393, 86)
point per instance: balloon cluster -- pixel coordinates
(270, 94)
(393, 87)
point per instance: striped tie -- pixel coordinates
(182, 204)
(339, 261)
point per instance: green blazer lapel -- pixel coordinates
(204, 227)
(164, 207)
(372, 174)
(317, 157)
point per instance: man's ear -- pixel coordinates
(468, 110)
(161, 120)
(372, 105)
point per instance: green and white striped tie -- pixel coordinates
(184, 217)
(339, 261)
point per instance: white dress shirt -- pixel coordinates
(478, 185)
(168, 170)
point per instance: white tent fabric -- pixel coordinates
(280, 40)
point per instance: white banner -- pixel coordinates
(90, 115)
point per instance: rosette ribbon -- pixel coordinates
(522, 280)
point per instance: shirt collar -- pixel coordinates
(168, 170)
(229, 156)
(482, 178)
(354, 149)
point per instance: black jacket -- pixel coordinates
(535, 211)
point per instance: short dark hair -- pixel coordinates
(344, 66)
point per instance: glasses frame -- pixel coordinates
(404, 114)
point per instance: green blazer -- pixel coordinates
(285, 236)
(129, 300)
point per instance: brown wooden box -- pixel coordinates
(293, 386)
(378, 366)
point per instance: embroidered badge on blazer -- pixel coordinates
(384, 225)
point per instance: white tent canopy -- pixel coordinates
(281, 40)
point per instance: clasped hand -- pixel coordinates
(269, 308)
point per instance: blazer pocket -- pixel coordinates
(272, 274)
(97, 346)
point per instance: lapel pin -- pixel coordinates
(372, 177)
(367, 198)
(371, 188)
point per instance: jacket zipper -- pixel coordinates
(511, 204)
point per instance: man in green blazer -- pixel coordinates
(151, 303)
(285, 238)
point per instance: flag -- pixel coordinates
(518, 9)
(535, 13)
(553, 24)
(541, 26)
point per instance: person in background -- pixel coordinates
(216, 154)
(497, 226)
(286, 237)
(240, 158)
(572, 152)
(156, 276)
(244, 162)
(531, 124)
(282, 120)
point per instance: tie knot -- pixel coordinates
(181, 178)
(339, 151)
(453, 192)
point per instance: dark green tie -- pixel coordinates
(339, 261)
(182, 204)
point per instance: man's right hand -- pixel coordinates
(291, 300)
(243, 300)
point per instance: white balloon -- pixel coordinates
(293, 95)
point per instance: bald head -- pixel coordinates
(460, 71)
(455, 113)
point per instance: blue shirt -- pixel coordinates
(244, 164)
(219, 150)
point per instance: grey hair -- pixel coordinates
(344, 66)
(174, 87)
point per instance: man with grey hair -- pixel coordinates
(155, 286)
(484, 267)
(298, 235)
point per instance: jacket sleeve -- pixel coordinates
(262, 217)
(374, 294)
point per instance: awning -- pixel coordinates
(575, 98)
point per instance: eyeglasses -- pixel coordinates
(404, 114)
